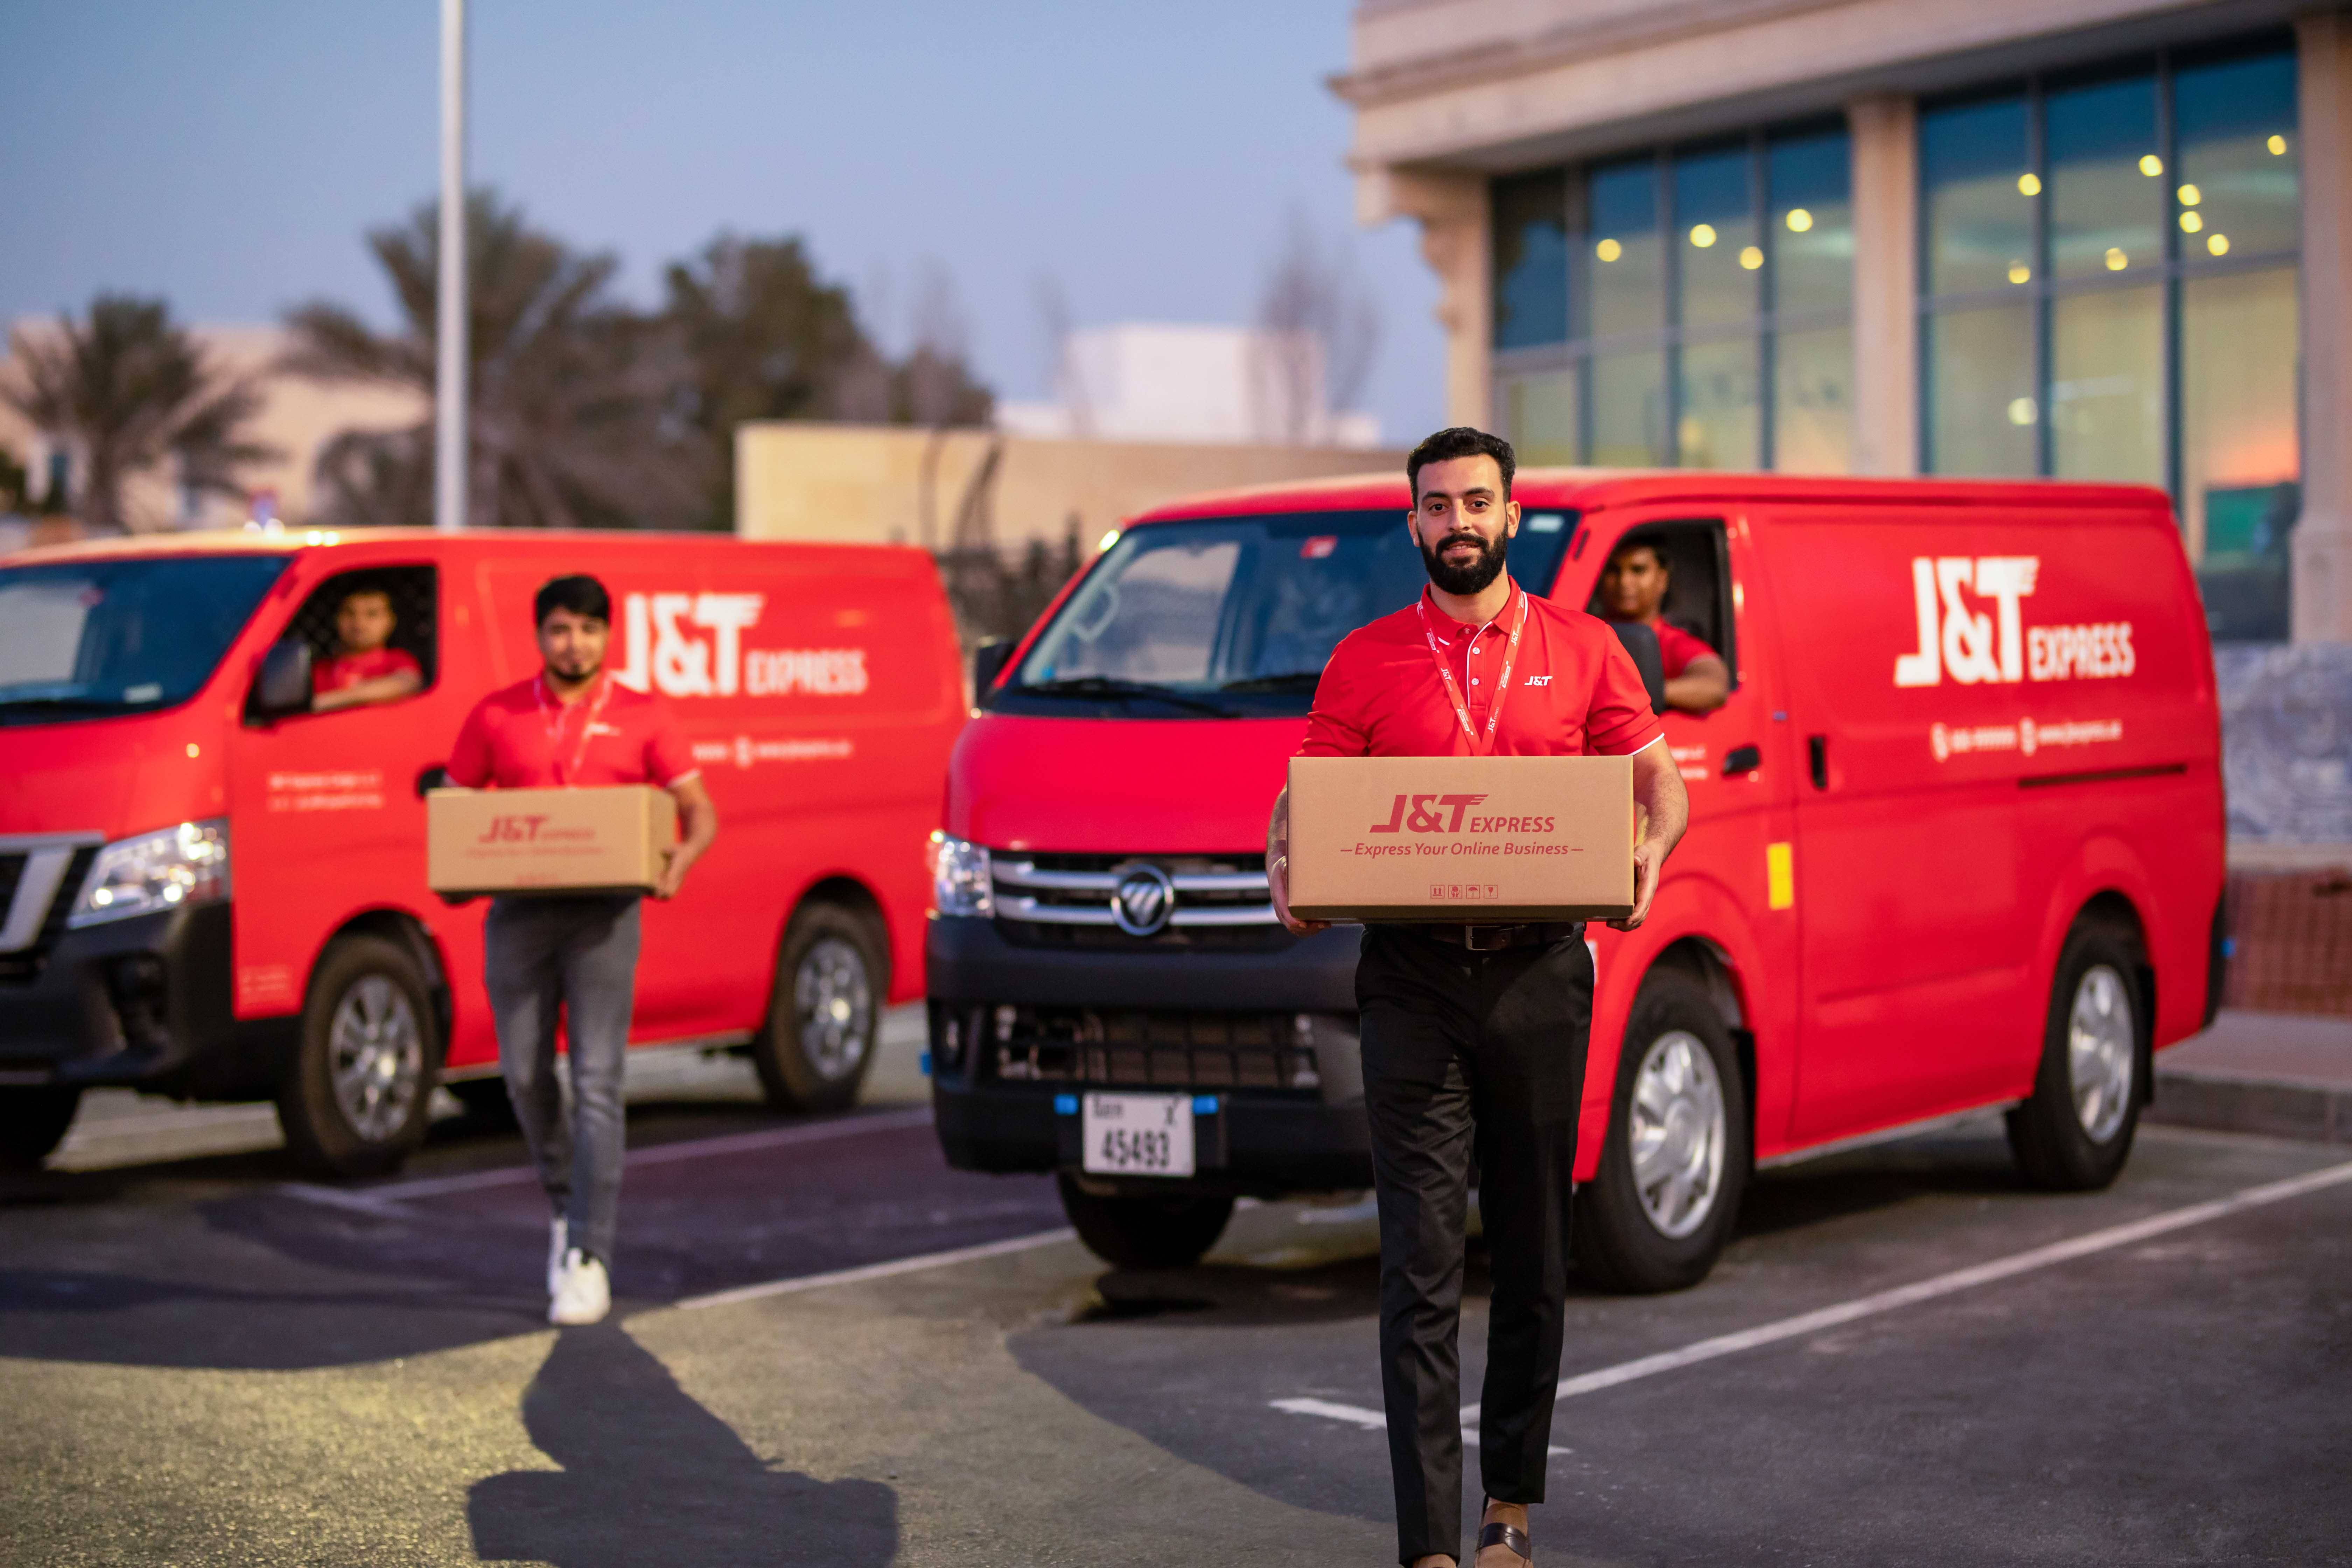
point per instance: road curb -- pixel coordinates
(2311, 1112)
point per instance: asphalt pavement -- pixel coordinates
(829, 1349)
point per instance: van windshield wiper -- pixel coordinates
(1304, 680)
(66, 704)
(1105, 686)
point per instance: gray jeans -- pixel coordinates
(578, 955)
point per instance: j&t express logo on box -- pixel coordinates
(1971, 628)
(1445, 814)
(692, 645)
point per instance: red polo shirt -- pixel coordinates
(343, 670)
(522, 738)
(1574, 691)
(1677, 648)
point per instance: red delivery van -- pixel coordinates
(1956, 846)
(207, 889)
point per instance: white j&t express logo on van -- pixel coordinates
(1971, 628)
(692, 645)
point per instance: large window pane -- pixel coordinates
(2107, 385)
(1812, 401)
(1810, 181)
(1721, 425)
(2107, 181)
(1531, 260)
(1981, 414)
(1540, 418)
(1979, 195)
(1629, 409)
(1627, 273)
(2239, 188)
(2241, 460)
(1714, 222)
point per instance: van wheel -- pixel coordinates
(1676, 1160)
(2075, 1131)
(824, 1013)
(33, 1123)
(1138, 1232)
(354, 1100)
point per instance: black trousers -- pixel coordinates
(1470, 1055)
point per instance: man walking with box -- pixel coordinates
(572, 726)
(1475, 1035)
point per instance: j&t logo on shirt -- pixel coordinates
(1539, 681)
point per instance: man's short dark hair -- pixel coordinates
(580, 594)
(1460, 441)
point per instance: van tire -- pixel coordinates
(369, 1015)
(2075, 1133)
(1145, 1232)
(1622, 1243)
(33, 1123)
(824, 1010)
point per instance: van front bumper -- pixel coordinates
(146, 1001)
(1264, 1041)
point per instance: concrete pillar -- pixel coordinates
(1457, 241)
(2323, 540)
(1885, 285)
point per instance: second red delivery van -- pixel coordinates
(1955, 848)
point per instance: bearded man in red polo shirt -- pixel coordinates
(1473, 1037)
(571, 725)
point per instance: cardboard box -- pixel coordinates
(1479, 840)
(605, 839)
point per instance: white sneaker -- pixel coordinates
(583, 1292)
(557, 1231)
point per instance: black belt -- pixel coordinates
(1495, 938)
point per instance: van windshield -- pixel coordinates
(1232, 617)
(95, 639)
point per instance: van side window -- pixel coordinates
(1698, 560)
(373, 635)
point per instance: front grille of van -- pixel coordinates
(1131, 1049)
(1220, 902)
(23, 965)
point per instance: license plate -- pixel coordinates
(1137, 1134)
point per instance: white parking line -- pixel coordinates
(879, 1270)
(1371, 1420)
(385, 1200)
(1928, 1290)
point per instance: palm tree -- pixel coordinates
(567, 425)
(130, 389)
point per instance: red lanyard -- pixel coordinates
(1454, 689)
(552, 714)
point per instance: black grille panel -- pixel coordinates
(22, 968)
(1196, 1050)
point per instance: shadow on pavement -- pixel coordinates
(649, 1476)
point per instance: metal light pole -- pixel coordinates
(449, 390)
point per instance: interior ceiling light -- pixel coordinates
(2029, 184)
(1702, 235)
(1798, 220)
(1608, 250)
(1751, 256)
(2151, 166)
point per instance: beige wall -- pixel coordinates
(297, 416)
(800, 479)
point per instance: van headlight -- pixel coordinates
(164, 869)
(959, 878)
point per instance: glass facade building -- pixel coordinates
(2108, 287)
(1690, 306)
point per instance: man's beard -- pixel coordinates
(1473, 577)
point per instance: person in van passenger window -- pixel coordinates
(572, 725)
(1633, 586)
(364, 666)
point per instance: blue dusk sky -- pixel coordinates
(1150, 157)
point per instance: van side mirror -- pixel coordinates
(988, 661)
(283, 687)
(1642, 644)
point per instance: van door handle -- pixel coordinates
(1742, 760)
(432, 778)
(1817, 753)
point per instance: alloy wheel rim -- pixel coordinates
(375, 1055)
(835, 1003)
(2101, 1042)
(1678, 1133)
